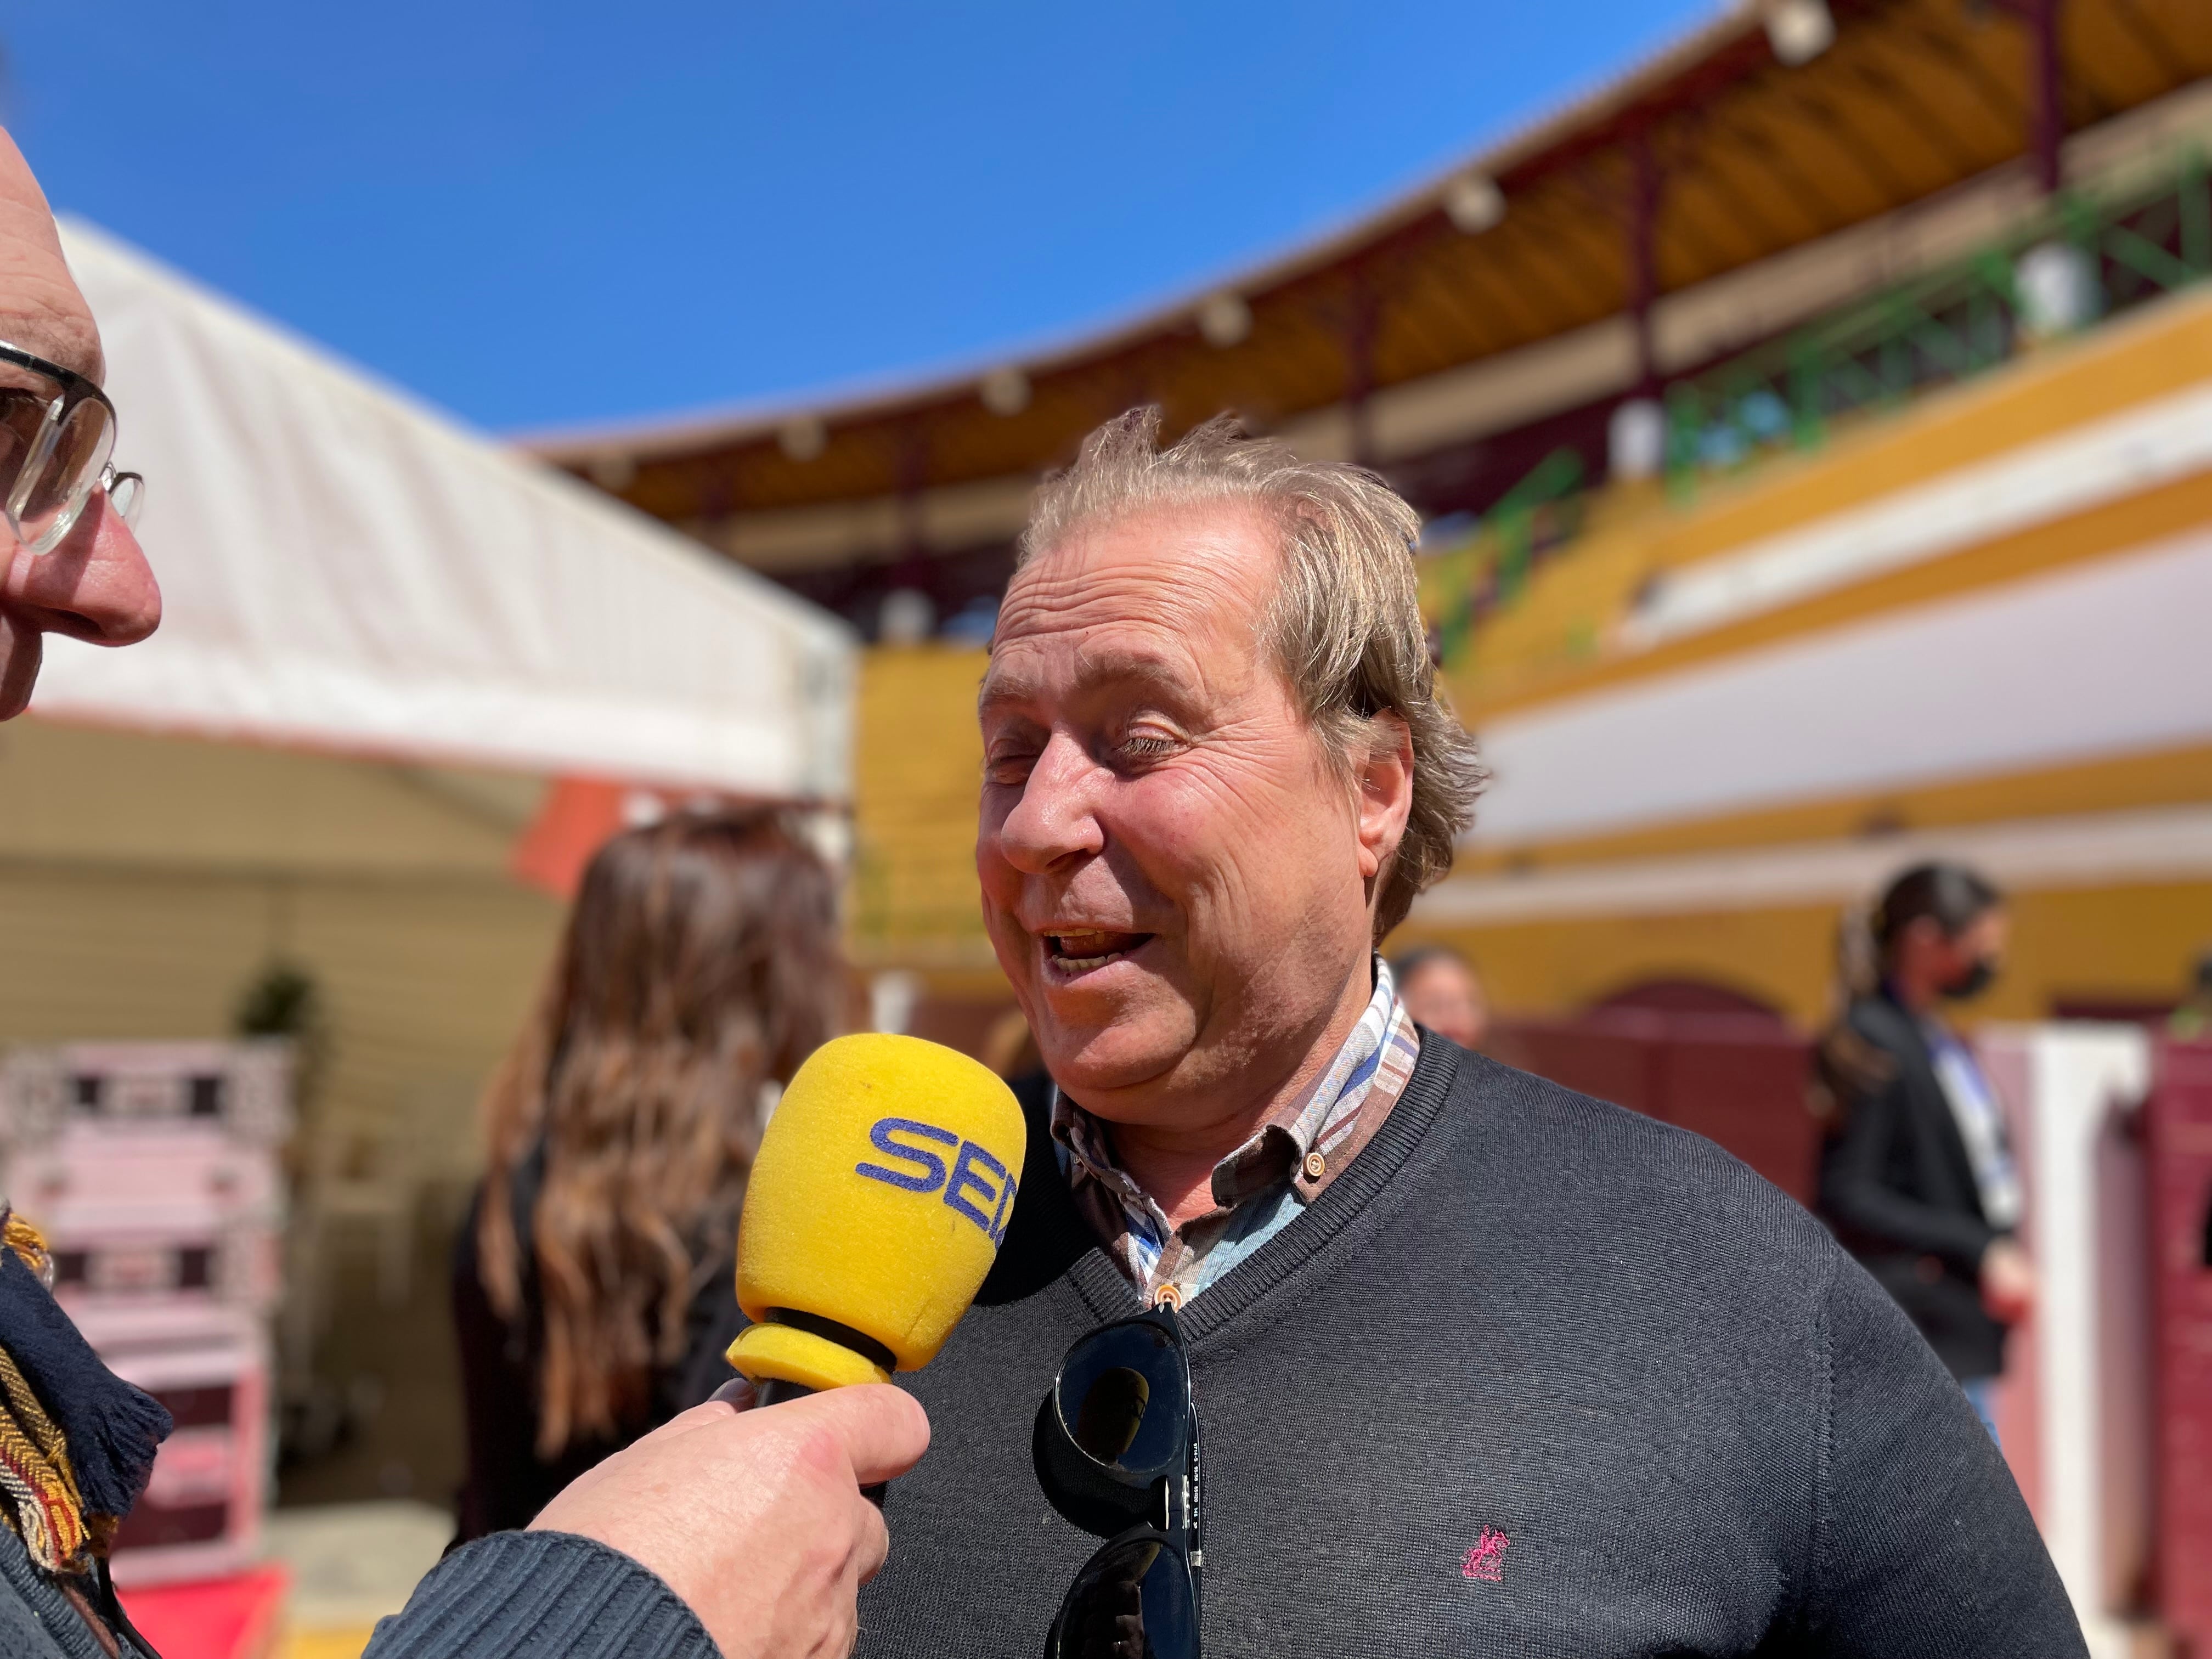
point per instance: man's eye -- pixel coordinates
(1009, 768)
(1147, 746)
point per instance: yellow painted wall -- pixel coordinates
(918, 762)
(2112, 942)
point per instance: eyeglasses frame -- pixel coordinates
(76, 389)
(1176, 1525)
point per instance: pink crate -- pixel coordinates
(241, 1091)
(201, 1514)
(168, 1213)
(151, 1167)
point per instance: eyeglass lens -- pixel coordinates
(22, 422)
(59, 486)
(1123, 1396)
(1134, 1600)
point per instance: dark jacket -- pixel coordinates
(1898, 1186)
(1534, 1376)
(41, 1619)
(536, 1595)
(506, 1482)
(80, 1444)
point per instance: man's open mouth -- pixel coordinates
(1080, 952)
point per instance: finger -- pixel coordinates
(874, 1545)
(884, 1429)
(738, 1392)
(716, 1410)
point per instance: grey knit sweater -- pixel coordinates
(541, 1595)
(37, 1621)
(512, 1596)
(1536, 1375)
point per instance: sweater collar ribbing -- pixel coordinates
(1110, 1295)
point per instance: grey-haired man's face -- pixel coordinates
(1175, 878)
(96, 585)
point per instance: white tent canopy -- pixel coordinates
(345, 569)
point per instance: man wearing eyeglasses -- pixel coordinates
(1478, 1365)
(727, 1533)
(73, 565)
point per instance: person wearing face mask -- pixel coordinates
(1916, 1177)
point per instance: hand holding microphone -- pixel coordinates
(883, 1185)
(755, 1518)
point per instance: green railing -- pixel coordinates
(1879, 354)
(1946, 326)
(1490, 566)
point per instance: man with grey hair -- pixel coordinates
(1479, 1364)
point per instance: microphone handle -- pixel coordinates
(775, 1390)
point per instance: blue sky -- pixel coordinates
(556, 213)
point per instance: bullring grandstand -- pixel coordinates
(1808, 427)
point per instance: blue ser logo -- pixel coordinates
(973, 1182)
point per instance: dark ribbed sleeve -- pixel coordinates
(1923, 1547)
(550, 1594)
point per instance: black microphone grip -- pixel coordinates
(776, 1390)
(773, 1392)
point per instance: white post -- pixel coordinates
(2089, 1341)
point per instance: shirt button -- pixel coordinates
(1316, 1166)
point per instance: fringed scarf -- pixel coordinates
(76, 1442)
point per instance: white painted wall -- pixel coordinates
(2079, 1372)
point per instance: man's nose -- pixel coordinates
(1055, 818)
(95, 586)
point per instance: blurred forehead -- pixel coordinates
(1441, 970)
(1175, 594)
(1986, 929)
(40, 308)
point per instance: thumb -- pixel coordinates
(882, 1429)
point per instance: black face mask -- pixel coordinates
(1972, 983)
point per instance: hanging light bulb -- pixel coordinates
(1223, 319)
(1005, 391)
(1473, 203)
(803, 437)
(1799, 30)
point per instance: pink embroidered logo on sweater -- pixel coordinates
(1486, 1559)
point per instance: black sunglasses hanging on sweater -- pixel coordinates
(1117, 1451)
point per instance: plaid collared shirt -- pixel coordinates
(1260, 1188)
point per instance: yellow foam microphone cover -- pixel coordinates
(884, 1184)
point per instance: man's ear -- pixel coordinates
(1385, 778)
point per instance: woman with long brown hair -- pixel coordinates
(592, 1286)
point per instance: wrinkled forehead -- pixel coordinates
(40, 308)
(1166, 594)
